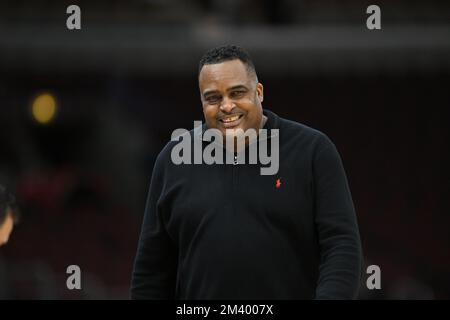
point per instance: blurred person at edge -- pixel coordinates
(9, 215)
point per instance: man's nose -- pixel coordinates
(227, 105)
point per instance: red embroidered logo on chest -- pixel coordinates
(278, 183)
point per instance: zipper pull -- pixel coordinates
(235, 160)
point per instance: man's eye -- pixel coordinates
(237, 94)
(213, 99)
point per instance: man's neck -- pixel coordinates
(263, 121)
(248, 141)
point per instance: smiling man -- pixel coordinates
(225, 231)
(231, 94)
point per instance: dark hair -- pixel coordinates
(227, 53)
(7, 206)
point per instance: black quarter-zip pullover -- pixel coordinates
(224, 231)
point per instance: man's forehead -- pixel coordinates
(225, 75)
(223, 71)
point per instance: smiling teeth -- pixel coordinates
(230, 119)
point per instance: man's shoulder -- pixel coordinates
(164, 156)
(295, 126)
(290, 129)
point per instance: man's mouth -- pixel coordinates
(231, 121)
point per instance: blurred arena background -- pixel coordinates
(83, 115)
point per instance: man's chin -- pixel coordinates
(233, 132)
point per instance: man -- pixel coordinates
(225, 231)
(8, 215)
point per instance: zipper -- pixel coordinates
(234, 184)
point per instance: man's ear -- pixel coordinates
(260, 91)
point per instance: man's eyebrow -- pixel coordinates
(236, 87)
(209, 92)
(240, 86)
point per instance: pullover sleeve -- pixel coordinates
(155, 265)
(337, 228)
